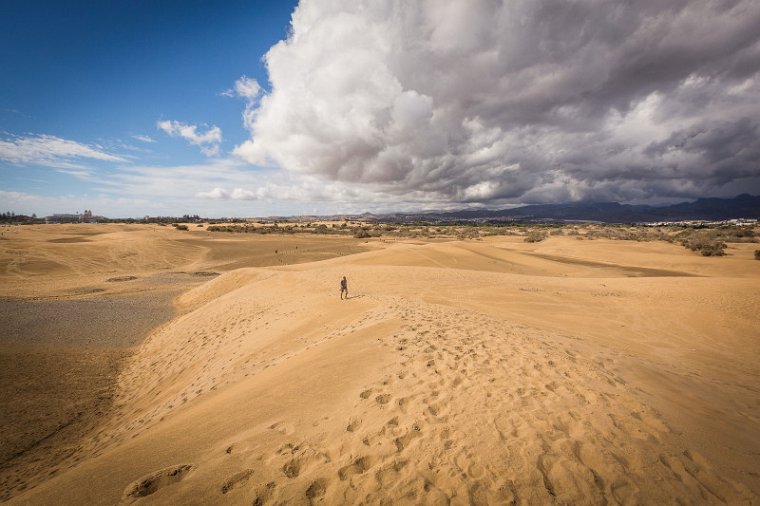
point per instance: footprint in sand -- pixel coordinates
(316, 490)
(358, 466)
(236, 480)
(288, 448)
(263, 492)
(292, 468)
(353, 424)
(155, 481)
(282, 428)
(404, 441)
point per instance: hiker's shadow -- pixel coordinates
(352, 297)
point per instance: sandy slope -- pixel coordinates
(478, 372)
(75, 299)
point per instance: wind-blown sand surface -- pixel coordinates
(74, 300)
(479, 372)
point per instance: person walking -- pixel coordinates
(343, 287)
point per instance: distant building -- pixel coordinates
(86, 217)
(63, 218)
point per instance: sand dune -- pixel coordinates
(494, 372)
(47, 261)
(74, 299)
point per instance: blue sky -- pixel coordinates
(103, 73)
(85, 69)
(134, 108)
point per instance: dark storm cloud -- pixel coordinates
(494, 102)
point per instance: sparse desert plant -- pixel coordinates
(181, 227)
(467, 233)
(535, 236)
(739, 234)
(715, 249)
(707, 242)
(490, 231)
(616, 233)
(221, 228)
(361, 233)
(757, 254)
(707, 246)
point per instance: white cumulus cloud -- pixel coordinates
(526, 100)
(236, 194)
(245, 87)
(207, 141)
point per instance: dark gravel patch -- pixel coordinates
(113, 322)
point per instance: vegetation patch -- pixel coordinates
(535, 236)
(707, 240)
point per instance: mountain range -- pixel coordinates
(708, 209)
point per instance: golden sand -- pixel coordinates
(462, 372)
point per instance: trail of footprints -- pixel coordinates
(479, 412)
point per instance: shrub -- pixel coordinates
(707, 247)
(180, 227)
(360, 233)
(709, 243)
(468, 233)
(535, 236)
(713, 249)
(757, 254)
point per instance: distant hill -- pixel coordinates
(709, 209)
